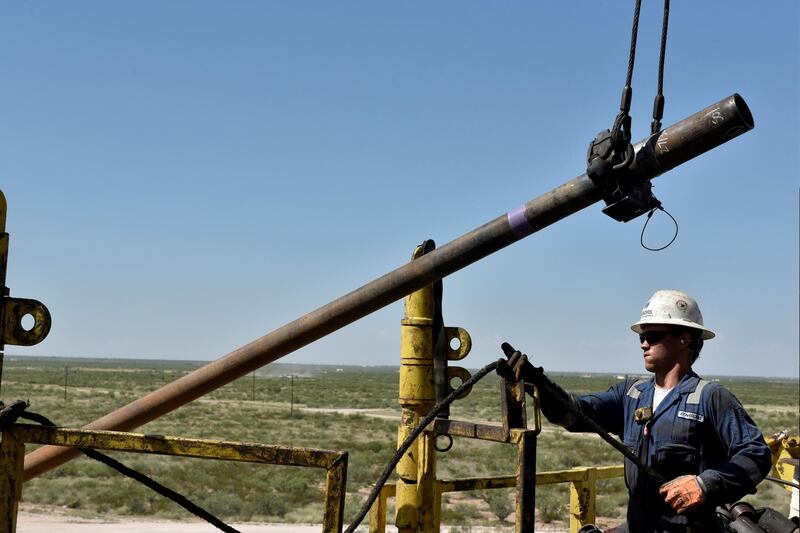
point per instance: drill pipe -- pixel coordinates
(655, 155)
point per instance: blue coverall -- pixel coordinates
(700, 428)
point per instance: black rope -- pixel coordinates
(10, 413)
(624, 450)
(136, 476)
(649, 215)
(783, 482)
(658, 103)
(387, 471)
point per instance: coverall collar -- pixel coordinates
(686, 385)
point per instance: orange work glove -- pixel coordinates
(682, 493)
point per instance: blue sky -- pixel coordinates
(184, 177)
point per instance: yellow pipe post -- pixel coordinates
(437, 506)
(12, 457)
(426, 487)
(377, 515)
(417, 469)
(582, 496)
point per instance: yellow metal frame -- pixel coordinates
(583, 492)
(785, 450)
(12, 454)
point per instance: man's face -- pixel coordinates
(660, 354)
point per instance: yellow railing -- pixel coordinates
(583, 492)
(12, 454)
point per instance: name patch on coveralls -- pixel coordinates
(691, 416)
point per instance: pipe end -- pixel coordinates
(747, 122)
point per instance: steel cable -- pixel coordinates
(634, 35)
(623, 121)
(658, 104)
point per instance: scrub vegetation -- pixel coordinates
(328, 407)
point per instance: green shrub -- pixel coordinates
(500, 503)
(459, 513)
(222, 504)
(552, 503)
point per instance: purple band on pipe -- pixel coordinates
(519, 224)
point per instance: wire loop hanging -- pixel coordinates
(649, 216)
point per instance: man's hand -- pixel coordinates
(682, 493)
(517, 368)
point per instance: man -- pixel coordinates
(693, 432)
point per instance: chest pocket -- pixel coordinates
(681, 454)
(673, 459)
(683, 427)
(688, 420)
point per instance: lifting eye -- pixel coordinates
(27, 322)
(445, 448)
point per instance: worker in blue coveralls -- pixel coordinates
(693, 432)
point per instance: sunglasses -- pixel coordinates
(653, 337)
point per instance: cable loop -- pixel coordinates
(649, 215)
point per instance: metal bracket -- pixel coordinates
(461, 373)
(512, 405)
(14, 310)
(443, 336)
(464, 343)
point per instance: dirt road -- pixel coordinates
(54, 523)
(33, 523)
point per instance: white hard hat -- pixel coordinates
(673, 307)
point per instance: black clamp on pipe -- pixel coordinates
(625, 196)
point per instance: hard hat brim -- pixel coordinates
(705, 333)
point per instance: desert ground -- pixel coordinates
(40, 523)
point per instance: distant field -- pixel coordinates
(274, 408)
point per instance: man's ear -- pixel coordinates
(685, 338)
